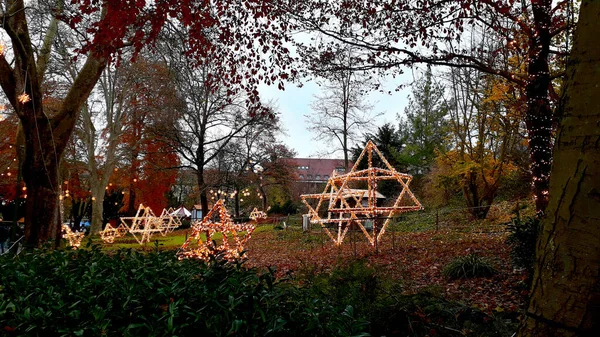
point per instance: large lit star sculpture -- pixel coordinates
(347, 206)
(74, 238)
(216, 221)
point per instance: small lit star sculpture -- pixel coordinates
(256, 214)
(347, 206)
(169, 222)
(121, 231)
(74, 238)
(108, 234)
(216, 221)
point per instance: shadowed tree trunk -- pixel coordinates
(565, 295)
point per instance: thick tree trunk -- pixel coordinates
(565, 295)
(40, 174)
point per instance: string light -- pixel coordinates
(74, 238)
(337, 193)
(145, 223)
(23, 98)
(256, 214)
(208, 249)
(109, 233)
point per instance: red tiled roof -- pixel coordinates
(312, 169)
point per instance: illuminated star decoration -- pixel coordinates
(256, 214)
(108, 234)
(233, 240)
(169, 222)
(74, 238)
(144, 223)
(348, 206)
(23, 98)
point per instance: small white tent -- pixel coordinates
(181, 212)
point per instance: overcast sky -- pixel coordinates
(294, 103)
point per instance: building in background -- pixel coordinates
(312, 173)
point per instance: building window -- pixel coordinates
(309, 176)
(340, 169)
(303, 168)
(325, 177)
(318, 177)
(301, 176)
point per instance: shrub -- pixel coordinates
(469, 266)
(522, 239)
(288, 207)
(90, 293)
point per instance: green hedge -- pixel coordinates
(91, 293)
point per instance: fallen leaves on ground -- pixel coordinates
(416, 260)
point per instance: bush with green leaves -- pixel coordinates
(381, 301)
(126, 293)
(469, 266)
(522, 239)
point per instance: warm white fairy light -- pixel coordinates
(108, 234)
(23, 98)
(144, 223)
(233, 240)
(74, 238)
(256, 214)
(337, 192)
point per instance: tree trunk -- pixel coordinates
(202, 191)
(538, 118)
(97, 221)
(236, 201)
(565, 294)
(78, 209)
(40, 174)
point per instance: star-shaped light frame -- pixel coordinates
(256, 214)
(337, 192)
(232, 243)
(146, 224)
(74, 238)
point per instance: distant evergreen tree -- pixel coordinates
(389, 141)
(425, 126)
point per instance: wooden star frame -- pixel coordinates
(233, 240)
(339, 197)
(169, 222)
(108, 234)
(144, 224)
(256, 214)
(74, 238)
